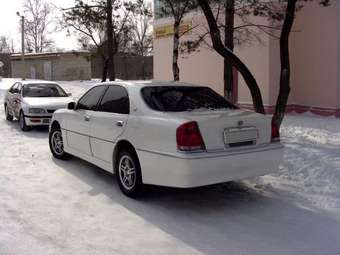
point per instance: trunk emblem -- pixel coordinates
(240, 123)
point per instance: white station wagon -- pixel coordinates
(167, 134)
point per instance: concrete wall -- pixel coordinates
(127, 67)
(72, 67)
(64, 66)
(37, 64)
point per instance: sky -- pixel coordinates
(9, 24)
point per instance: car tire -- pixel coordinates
(9, 117)
(128, 173)
(56, 144)
(22, 122)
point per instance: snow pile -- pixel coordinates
(311, 170)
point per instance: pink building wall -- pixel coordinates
(203, 67)
(315, 59)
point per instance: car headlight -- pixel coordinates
(36, 110)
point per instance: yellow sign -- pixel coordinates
(165, 31)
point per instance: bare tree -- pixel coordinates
(141, 29)
(107, 23)
(38, 15)
(284, 91)
(289, 16)
(5, 45)
(88, 23)
(227, 54)
(244, 33)
(176, 9)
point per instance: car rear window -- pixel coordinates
(183, 98)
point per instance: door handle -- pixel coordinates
(120, 123)
(87, 118)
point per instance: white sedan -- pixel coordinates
(34, 102)
(167, 134)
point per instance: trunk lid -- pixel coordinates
(230, 129)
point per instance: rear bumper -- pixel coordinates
(38, 120)
(200, 169)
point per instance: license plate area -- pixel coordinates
(46, 121)
(240, 136)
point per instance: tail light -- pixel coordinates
(275, 132)
(189, 137)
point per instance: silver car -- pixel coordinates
(34, 102)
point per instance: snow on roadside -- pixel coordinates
(310, 174)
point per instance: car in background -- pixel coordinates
(34, 102)
(167, 134)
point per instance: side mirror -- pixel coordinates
(71, 106)
(69, 94)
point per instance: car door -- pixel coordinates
(78, 122)
(17, 99)
(109, 122)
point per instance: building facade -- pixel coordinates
(57, 66)
(315, 60)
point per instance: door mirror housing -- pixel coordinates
(69, 94)
(71, 106)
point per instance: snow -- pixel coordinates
(49, 206)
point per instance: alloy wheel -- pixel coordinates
(127, 172)
(57, 143)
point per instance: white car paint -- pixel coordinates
(16, 103)
(93, 136)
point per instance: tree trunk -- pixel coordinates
(143, 67)
(111, 71)
(175, 68)
(282, 98)
(229, 43)
(227, 54)
(105, 67)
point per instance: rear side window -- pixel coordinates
(115, 100)
(90, 100)
(184, 98)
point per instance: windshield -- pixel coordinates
(43, 90)
(184, 98)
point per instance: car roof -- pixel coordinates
(140, 84)
(32, 82)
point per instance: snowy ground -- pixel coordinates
(53, 207)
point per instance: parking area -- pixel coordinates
(72, 207)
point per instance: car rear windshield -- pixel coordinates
(184, 98)
(43, 90)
